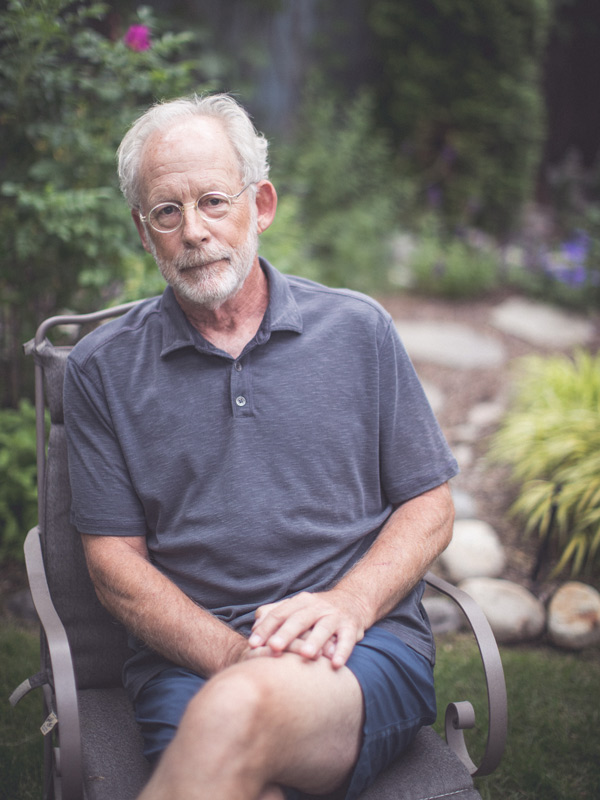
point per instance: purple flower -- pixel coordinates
(138, 38)
(576, 250)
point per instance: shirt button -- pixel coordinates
(238, 366)
(240, 401)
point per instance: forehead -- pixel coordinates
(192, 154)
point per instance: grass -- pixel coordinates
(20, 737)
(553, 750)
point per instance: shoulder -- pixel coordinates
(337, 304)
(108, 337)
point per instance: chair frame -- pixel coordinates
(62, 750)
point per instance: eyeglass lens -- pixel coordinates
(169, 216)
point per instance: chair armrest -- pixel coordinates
(65, 691)
(460, 716)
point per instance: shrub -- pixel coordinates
(551, 439)
(68, 93)
(18, 475)
(338, 200)
(452, 266)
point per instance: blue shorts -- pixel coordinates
(398, 692)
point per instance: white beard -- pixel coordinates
(195, 277)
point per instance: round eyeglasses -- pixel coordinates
(168, 217)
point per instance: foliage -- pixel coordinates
(460, 87)
(338, 204)
(67, 94)
(551, 439)
(18, 475)
(20, 738)
(459, 266)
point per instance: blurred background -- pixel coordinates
(442, 155)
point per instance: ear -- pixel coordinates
(266, 203)
(141, 229)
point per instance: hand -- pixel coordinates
(324, 623)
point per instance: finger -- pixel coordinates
(347, 637)
(283, 622)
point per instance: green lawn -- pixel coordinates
(553, 750)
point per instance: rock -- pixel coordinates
(465, 506)
(444, 615)
(541, 324)
(514, 614)
(574, 616)
(475, 551)
(485, 415)
(450, 345)
(434, 396)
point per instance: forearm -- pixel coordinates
(410, 541)
(156, 611)
(331, 622)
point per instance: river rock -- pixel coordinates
(444, 615)
(574, 616)
(514, 614)
(475, 551)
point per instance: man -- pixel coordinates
(260, 486)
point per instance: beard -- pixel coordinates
(211, 275)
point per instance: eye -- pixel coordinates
(166, 216)
(214, 204)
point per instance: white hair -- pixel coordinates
(249, 145)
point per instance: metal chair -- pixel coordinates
(92, 746)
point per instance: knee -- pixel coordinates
(233, 705)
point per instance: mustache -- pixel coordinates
(202, 258)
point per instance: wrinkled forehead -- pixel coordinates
(193, 145)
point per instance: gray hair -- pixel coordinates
(250, 146)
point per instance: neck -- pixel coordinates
(234, 323)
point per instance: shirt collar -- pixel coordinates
(282, 314)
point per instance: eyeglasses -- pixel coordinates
(168, 217)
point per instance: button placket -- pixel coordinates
(240, 390)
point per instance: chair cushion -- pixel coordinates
(111, 744)
(115, 768)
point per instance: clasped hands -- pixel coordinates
(311, 625)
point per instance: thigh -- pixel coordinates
(399, 698)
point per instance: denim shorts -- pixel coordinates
(398, 692)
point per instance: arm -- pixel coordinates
(155, 610)
(412, 538)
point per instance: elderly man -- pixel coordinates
(260, 486)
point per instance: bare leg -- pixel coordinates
(263, 722)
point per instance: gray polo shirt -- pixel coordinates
(258, 477)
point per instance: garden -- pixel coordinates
(422, 167)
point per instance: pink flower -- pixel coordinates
(138, 37)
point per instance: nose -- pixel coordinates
(194, 228)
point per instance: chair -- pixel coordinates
(92, 746)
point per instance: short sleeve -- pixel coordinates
(415, 456)
(103, 498)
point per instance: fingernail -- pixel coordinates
(255, 640)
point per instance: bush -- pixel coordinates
(18, 476)
(451, 266)
(338, 204)
(551, 439)
(68, 93)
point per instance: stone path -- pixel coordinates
(475, 558)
